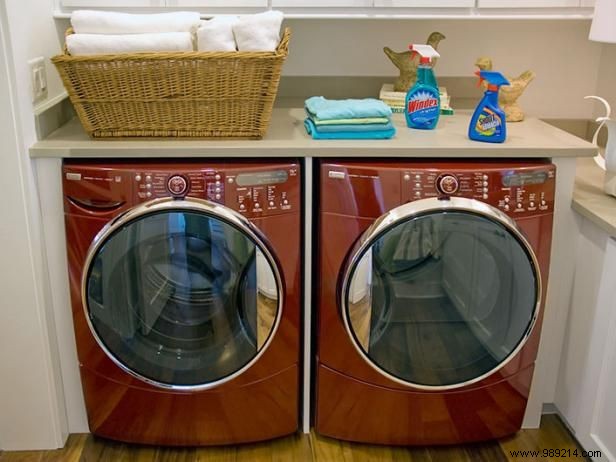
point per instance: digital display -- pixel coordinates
(521, 179)
(262, 178)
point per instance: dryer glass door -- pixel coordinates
(440, 294)
(182, 294)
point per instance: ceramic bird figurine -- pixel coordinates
(509, 94)
(407, 64)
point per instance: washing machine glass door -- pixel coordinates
(182, 293)
(439, 294)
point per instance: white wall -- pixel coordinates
(559, 51)
(565, 61)
(31, 396)
(606, 85)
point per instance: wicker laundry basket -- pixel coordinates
(174, 94)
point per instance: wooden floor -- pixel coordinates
(301, 448)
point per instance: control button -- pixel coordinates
(285, 202)
(148, 194)
(148, 178)
(485, 196)
(417, 193)
(543, 202)
(177, 185)
(519, 205)
(148, 185)
(406, 177)
(218, 183)
(217, 190)
(137, 177)
(506, 207)
(507, 200)
(485, 183)
(230, 180)
(242, 207)
(447, 184)
(257, 205)
(485, 177)
(217, 177)
(532, 205)
(485, 190)
(418, 177)
(418, 185)
(217, 196)
(271, 203)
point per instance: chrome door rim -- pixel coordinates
(414, 210)
(190, 204)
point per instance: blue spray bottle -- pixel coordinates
(423, 101)
(488, 123)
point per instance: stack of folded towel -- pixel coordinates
(360, 119)
(252, 32)
(105, 32)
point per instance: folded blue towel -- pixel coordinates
(346, 108)
(358, 135)
(353, 128)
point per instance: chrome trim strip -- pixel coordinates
(413, 210)
(195, 205)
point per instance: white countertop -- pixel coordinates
(589, 200)
(287, 137)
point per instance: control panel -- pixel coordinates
(519, 191)
(253, 192)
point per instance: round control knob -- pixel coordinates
(271, 203)
(137, 177)
(285, 202)
(447, 184)
(148, 178)
(506, 207)
(148, 194)
(406, 177)
(177, 185)
(257, 205)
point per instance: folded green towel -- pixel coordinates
(357, 121)
(325, 109)
(357, 135)
(331, 128)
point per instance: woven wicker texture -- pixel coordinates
(183, 94)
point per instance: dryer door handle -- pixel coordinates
(96, 205)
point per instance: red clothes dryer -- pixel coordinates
(432, 278)
(185, 289)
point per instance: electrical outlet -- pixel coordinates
(38, 79)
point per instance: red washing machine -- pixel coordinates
(432, 283)
(185, 289)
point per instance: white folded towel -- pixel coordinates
(95, 44)
(217, 34)
(109, 22)
(258, 32)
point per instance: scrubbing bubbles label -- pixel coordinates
(489, 124)
(423, 108)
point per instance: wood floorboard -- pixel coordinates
(310, 448)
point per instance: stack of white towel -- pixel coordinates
(102, 32)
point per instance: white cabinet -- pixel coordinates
(425, 3)
(585, 393)
(218, 3)
(111, 3)
(324, 4)
(527, 3)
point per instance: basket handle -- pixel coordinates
(283, 46)
(68, 32)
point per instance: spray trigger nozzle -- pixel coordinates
(426, 53)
